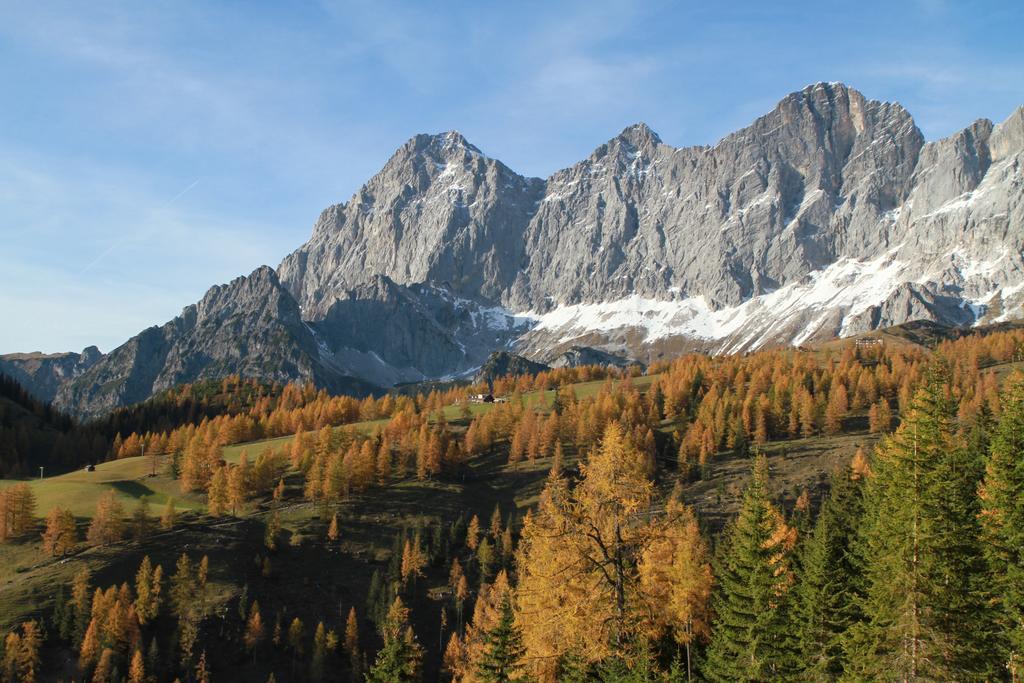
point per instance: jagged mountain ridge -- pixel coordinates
(827, 177)
(250, 326)
(830, 215)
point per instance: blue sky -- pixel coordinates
(151, 149)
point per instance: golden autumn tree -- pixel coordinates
(352, 638)
(108, 523)
(148, 590)
(836, 409)
(473, 533)
(413, 559)
(21, 660)
(61, 534)
(579, 588)
(254, 630)
(675, 577)
(217, 495)
(17, 510)
(463, 658)
(137, 669)
(880, 417)
(238, 485)
(169, 515)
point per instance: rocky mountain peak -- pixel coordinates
(90, 354)
(439, 147)
(639, 136)
(634, 142)
(1008, 136)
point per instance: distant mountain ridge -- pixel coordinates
(828, 216)
(43, 374)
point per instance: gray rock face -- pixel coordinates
(388, 333)
(803, 185)
(577, 356)
(439, 212)
(828, 216)
(503, 364)
(250, 326)
(43, 374)
(826, 178)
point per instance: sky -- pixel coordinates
(149, 150)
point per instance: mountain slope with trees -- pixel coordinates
(721, 518)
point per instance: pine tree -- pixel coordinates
(749, 641)
(925, 604)
(1002, 516)
(824, 595)
(485, 558)
(188, 596)
(333, 532)
(399, 659)
(504, 649)
(63, 615)
(153, 657)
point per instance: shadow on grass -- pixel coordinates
(132, 488)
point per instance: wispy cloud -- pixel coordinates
(125, 238)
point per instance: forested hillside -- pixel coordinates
(34, 435)
(849, 512)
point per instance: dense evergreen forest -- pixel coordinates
(907, 564)
(34, 435)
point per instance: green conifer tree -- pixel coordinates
(504, 649)
(749, 634)
(399, 660)
(925, 609)
(824, 596)
(1002, 517)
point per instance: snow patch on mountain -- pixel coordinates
(848, 285)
